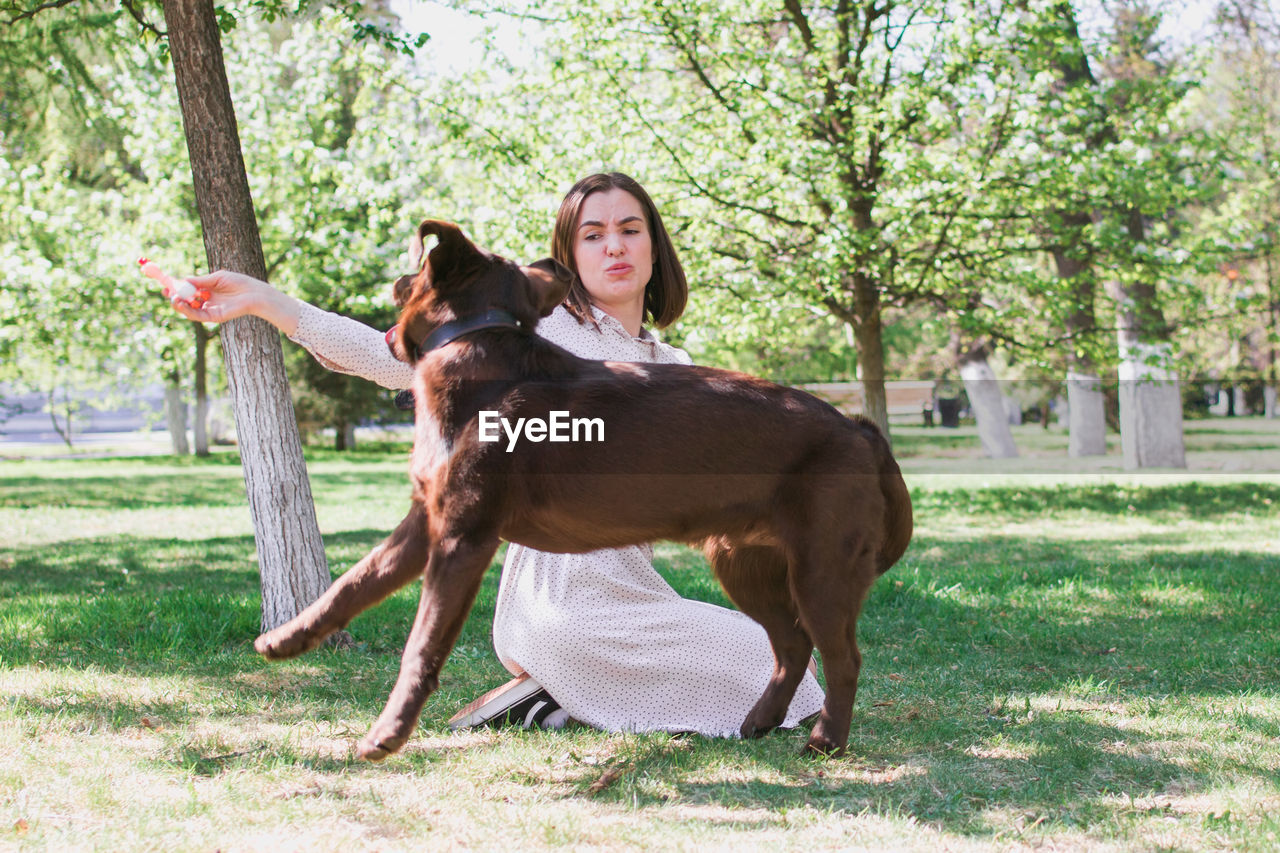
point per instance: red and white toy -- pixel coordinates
(175, 289)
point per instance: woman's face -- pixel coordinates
(613, 250)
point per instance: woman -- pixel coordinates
(601, 632)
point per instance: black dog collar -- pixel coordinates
(495, 318)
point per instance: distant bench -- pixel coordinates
(909, 397)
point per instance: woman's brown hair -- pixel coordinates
(667, 291)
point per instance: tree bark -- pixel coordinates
(1086, 415)
(1273, 332)
(1072, 257)
(1150, 397)
(869, 333)
(344, 436)
(290, 551)
(201, 427)
(987, 402)
(175, 415)
(1086, 403)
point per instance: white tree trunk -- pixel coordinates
(1269, 402)
(175, 415)
(1238, 404)
(201, 430)
(988, 408)
(1086, 416)
(201, 426)
(1150, 408)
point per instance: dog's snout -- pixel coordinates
(392, 337)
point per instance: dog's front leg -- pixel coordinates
(389, 566)
(449, 587)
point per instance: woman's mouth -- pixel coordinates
(618, 269)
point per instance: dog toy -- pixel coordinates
(174, 289)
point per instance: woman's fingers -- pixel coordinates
(230, 295)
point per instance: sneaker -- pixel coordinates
(521, 702)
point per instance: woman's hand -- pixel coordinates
(233, 295)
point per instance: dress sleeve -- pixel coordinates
(348, 346)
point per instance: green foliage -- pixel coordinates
(86, 187)
(932, 153)
(93, 179)
(341, 171)
(1239, 99)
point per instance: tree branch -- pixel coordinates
(27, 14)
(135, 11)
(673, 33)
(769, 213)
(801, 21)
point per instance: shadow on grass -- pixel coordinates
(152, 608)
(956, 641)
(1073, 773)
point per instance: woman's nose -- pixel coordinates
(613, 244)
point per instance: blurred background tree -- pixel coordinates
(858, 190)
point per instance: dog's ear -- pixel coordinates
(452, 252)
(402, 289)
(550, 282)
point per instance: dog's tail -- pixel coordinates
(898, 520)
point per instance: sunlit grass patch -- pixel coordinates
(1087, 665)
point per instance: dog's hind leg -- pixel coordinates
(755, 578)
(829, 590)
(449, 587)
(392, 564)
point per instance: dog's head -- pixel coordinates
(457, 280)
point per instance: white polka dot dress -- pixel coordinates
(607, 637)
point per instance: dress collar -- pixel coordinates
(604, 318)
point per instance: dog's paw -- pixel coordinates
(283, 642)
(822, 747)
(763, 718)
(752, 730)
(374, 748)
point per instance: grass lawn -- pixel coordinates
(1065, 658)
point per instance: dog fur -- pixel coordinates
(797, 507)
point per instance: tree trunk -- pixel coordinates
(1273, 334)
(201, 428)
(175, 415)
(1150, 407)
(987, 402)
(68, 414)
(1150, 398)
(290, 551)
(1086, 404)
(869, 334)
(1086, 415)
(344, 436)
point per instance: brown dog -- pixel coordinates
(797, 507)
